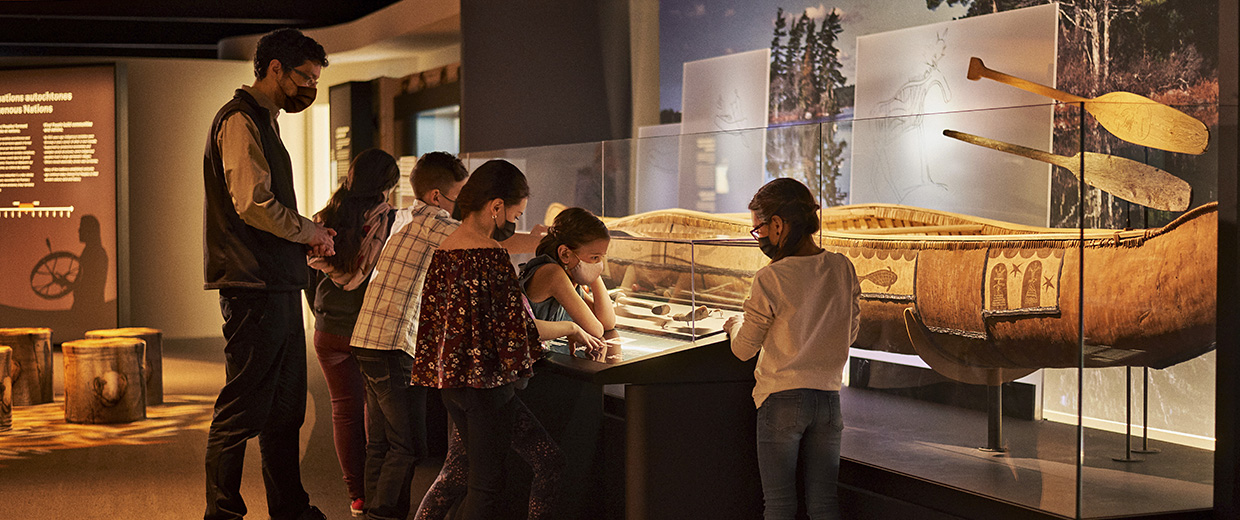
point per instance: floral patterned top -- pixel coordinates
(474, 330)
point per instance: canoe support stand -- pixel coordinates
(1145, 416)
(994, 413)
(1145, 413)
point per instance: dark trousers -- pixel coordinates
(484, 418)
(395, 430)
(264, 396)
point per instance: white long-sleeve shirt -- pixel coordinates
(801, 316)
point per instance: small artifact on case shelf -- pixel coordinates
(659, 309)
(1131, 117)
(699, 313)
(660, 321)
(1123, 178)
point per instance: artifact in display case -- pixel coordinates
(981, 301)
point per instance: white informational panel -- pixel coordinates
(912, 84)
(723, 142)
(656, 173)
(58, 199)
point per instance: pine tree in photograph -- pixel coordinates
(806, 73)
(778, 64)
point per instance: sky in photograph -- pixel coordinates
(691, 30)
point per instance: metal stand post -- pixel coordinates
(1145, 413)
(1128, 409)
(994, 417)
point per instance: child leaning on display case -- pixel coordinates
(801, 316)
(576, 243)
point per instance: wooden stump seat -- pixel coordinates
(104, 382)
(6, 390)
(31, 369)
(154, 356)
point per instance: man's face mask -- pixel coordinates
(301, 100)
(304, 97)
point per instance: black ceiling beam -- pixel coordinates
(166, 28)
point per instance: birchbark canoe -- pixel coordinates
(981, 301)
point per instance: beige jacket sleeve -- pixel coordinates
(249, 182)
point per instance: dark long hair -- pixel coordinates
(794, 203)
(372, 173)
(495, 179)
(573, 227)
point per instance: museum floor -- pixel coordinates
(153, 468)
(938, 442)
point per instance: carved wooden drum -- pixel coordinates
(154, 356)
(104, 380)
(31, 369)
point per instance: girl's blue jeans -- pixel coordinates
(800, 425)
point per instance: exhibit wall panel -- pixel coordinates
(171, 105)
(58, 204)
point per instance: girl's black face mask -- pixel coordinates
(502, 233)
(768, 249)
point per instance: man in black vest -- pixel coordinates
(255, 246)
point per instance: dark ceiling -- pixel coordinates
(168, 28)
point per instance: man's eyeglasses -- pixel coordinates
(310, 80)
(754, 232)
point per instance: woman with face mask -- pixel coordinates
(477, 338)
(571, 256)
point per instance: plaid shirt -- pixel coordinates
(389, 316)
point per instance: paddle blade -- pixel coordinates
(1140, 120)
(976, 69)
(1135, 182)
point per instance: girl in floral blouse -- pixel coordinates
(476, 338)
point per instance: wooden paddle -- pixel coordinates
(1133, 118)
(1123, 178)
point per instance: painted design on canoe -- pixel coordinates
(1023, 284)
(1149, 294)
(889, 274)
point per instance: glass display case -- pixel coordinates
(1038, 341)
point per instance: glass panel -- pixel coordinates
(1149, 302)
(438, 129)
(979, 325)
(943, 226)
(559, 176)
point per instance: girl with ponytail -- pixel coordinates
(361, 217)
(801, 316)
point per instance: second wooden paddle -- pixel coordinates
(1131, 117)
(1123, 178)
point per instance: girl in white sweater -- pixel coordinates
(801, 316)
